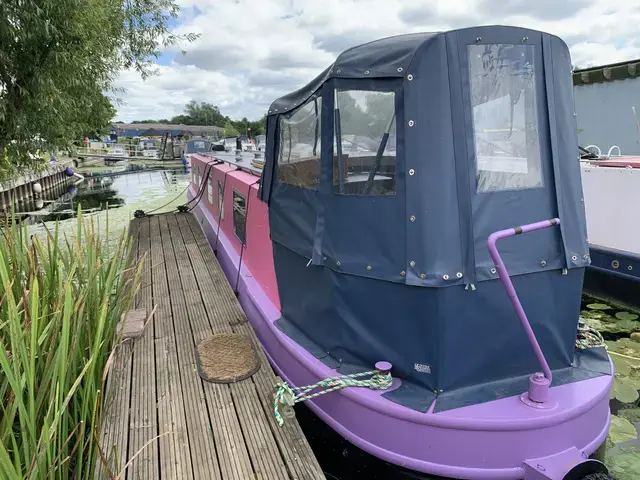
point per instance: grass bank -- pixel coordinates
(60, 302)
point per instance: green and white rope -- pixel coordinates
(588, 337)
(286, 397)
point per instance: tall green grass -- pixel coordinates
(60, 302)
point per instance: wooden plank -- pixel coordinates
(296, 452)
(234, 458)
(132, 324)
(223, 308)
(201, 442)
(175, 460)
(114, 435)
(143, 425)
(206, 430)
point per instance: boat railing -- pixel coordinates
(596, 147)
(538, 383)
(609, 154)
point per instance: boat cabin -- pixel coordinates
(197, 145)
(384, 178)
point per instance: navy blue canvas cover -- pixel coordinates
(404, 275)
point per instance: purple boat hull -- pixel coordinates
(502, 439)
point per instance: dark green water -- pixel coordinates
(112, 195)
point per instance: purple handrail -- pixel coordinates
(511, 291)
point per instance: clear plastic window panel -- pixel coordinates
(364, 158)
(239, 216)
(299, 145)
(505, 118)
(220, 199)
(210, 191)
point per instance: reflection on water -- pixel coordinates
(114, 197)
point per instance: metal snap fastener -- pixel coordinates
(445, 277)
(409, 77)
(493, 270)
(403, 273)
(423, 276)
(366, 72)
(615, 264)
(369, 267)
(399, 69)
(459, 274)
(412, 218)
(411, 171)
(543, 263)
(338, 264)
(574, 258)
(412, 263)
(411, 123)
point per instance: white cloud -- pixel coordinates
(253, 51)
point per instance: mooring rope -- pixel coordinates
(588, 337)
(286, 396)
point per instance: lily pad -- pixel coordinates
(625, 390)
(596, 315)
(626, 347)
(631, 414)
(624, 463)
(598, 306)
(621, 365)
(626, 316)
(622, 430)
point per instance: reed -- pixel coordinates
(60, 301)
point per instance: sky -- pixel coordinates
(251, 52)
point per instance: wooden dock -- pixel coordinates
(161, 419)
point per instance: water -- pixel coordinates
(107, 195)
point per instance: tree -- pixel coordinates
(230, 130)
(204, 114)
(58, 62)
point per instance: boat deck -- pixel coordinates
(160, 417)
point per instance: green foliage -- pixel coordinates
(62, 300)
(57, 60)
(205, 113)
(230, 130)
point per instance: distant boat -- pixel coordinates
(611, 187)
(196, 145)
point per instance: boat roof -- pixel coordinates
(388, 57)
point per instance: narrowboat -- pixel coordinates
(415, 247)
(611, 184)
(194, 146)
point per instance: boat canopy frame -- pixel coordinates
(453, 219)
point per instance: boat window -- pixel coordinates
(505, 118)
(220, 200)
(239, 216)
(299, 145)
(210, 190)
(365, 141)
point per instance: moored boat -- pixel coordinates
(611, 194)
(374, 259)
